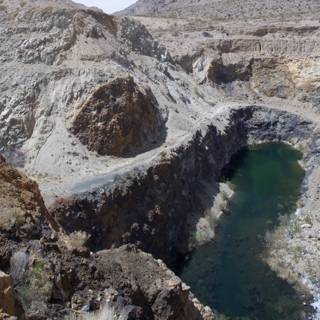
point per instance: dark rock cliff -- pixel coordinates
(158, 210)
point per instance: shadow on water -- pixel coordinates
(229, 274)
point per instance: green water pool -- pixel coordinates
(229, 274)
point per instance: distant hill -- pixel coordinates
(223, 9)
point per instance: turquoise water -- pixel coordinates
(229, 274)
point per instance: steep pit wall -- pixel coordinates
(295, 80)
(159, 209)
(46, 275)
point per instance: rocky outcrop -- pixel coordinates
(80, 47)
(137, 37)
(120, 119)
(7, 299)
(150, 290)
(222, 73)
(47, 280)
(50, 283)
(22, 209)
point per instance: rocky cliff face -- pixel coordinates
(256, 60)
(46, 279)
(157, 209)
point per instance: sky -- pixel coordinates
(108, 6)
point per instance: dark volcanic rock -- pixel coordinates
(159, 209)
(221, 73)
(148, 283)
(120, 119)
(52, 284)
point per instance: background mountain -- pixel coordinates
(224, 9)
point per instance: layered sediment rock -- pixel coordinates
(256, 60)
(289, 79)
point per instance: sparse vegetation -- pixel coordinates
(107, 312)
(308, 220)
(36, 287)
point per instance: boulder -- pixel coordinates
(7, 299)
(273, 78)
(120, 118)
(149, 284)
(21, 204)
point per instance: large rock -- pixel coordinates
(21, 204)
(146, 286)
(7, 299)
(119, 118)
(149, 280)
(273, 78)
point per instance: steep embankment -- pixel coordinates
(49, 275)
